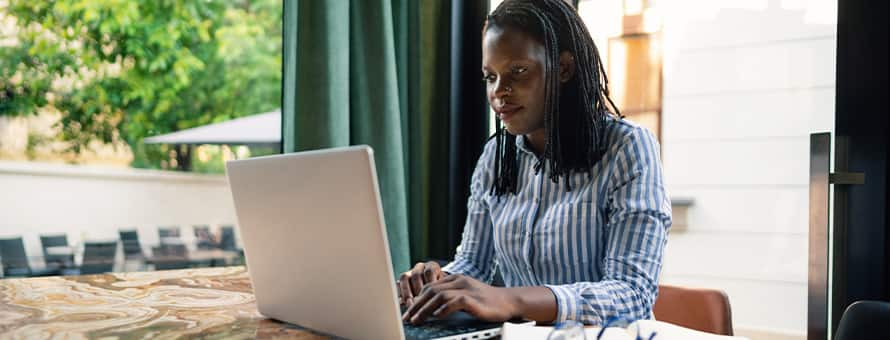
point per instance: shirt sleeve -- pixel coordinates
(635, 235)
(475, 254)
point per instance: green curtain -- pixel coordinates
(431, 130)
(372, 72)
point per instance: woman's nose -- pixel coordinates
(502, 88)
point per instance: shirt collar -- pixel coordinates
(521, 145)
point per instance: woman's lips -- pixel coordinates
(507, 111)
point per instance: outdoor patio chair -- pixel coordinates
(132, 247)
(204, 238)
(170, 256)
(171, 231)
(15, 260)
(227, 238)
(56, 260)
(98, 257)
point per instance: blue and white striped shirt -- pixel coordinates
(598, 247)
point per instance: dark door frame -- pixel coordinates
(861, 236)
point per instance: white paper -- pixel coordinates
(664, 331)
(668, 331)
(512, 331)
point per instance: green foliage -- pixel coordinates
(212, 161)
(35, 140)
(126, 70)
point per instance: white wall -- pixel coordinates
(745, 83)
(94, 202)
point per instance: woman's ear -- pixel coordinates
(566, 66)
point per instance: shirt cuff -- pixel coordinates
(458, 267)
(567, 304)
(451, 268)
(464, 267)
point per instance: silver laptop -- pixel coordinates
(317, 254)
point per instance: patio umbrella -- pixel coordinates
(262, 129)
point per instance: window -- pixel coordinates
(634, 65)
(101, 100)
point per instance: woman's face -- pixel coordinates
(513, 69)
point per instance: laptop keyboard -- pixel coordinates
(432, 330)
(455, 324)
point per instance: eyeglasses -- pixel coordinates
(568, 330)
(574, 330)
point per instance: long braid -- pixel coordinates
(506, 167)
(575, 112)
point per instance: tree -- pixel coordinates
(125, 70)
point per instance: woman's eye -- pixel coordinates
(520, 70)
(488, 78)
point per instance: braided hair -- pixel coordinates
(574, 112)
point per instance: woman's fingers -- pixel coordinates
(449, 278)
(424, 309)
(431, 272)
(405, 288)
(411, 283)
(458, 292)
(461, 302)
(416, 279)
(429, 295)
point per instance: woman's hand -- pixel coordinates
(412, 281)
(459, 292)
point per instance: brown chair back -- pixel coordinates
(705, 310)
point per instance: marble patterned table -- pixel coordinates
(208, 303)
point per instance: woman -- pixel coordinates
(567, 199)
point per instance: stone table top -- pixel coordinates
(208, 303)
